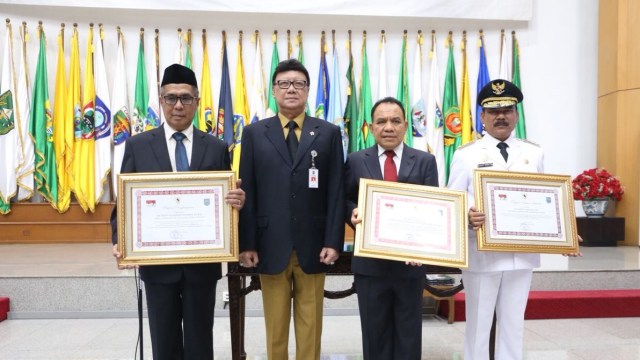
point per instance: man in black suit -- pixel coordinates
(389, 292)
(180, 298)
(291, 227)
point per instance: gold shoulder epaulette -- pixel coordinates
(528, 142)
(465, 145)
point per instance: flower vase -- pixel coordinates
(595, 208)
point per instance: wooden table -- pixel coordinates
(603, 231)
(237, 277)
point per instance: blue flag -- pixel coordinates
(225, 106)
(483, 79)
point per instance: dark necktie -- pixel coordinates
(292, 139)
(503, 150)
(390, 170)
(182, 162)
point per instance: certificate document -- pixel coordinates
(176, 218)
(525, 212)
(407, 222)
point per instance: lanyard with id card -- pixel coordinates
(313, 172)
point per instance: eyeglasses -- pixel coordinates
(173, 99)
(285, 84)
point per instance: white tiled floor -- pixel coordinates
(597, 339)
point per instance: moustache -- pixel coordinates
(501, 123)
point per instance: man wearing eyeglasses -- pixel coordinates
(291, 225)
(180, 298)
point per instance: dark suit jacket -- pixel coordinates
(281, 213)
(148, 152)
(416, 167)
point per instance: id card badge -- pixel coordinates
(313, 178)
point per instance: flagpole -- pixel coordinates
(289, 47)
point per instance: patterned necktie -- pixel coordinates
(390, 170)
(292, 139)
(182, 162)
(503, 150)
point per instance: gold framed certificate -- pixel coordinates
(408, 222)
(176, 218)
(526, 212)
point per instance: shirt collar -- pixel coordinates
(168, 132)
(284, 121)
(398, 150)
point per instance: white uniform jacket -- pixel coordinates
(484, 154)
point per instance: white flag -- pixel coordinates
(418, 118)
(503, 71)
(120, 122)
(335, 114)
(435, 119)
(383, 91)
(257, 105)
(102, 118)
(9, 134)
(24, 176)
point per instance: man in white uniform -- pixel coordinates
(497, 281)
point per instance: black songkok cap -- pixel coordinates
(179, 74)
(499, 93)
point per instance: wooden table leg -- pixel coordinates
(236, 317)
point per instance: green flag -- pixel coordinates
(41, 129)
(364, 113)
(301, 59)
(403, 92)
(272, 108)
(141, 99)
(521, 131)
(189, 63)
(351, 110)
(452, 125)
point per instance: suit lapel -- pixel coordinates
(197, 150)
(406, 163)
(372, 162)
(160, 149)
(310, 132)
(275, 134)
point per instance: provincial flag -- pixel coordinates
(335, 100)
(41, 129)
(465, 100)
(62, 131)
(153, 106)
(240, 109)
(121, 125)
(257, 105)
(351, 110)
(365, 139)
(483, 79)
(224, 127)
(102, 119)
(272, 105)
(403, 91)
(503, 70)
(9, 132)
(73, 108)
(452, 124)
(141, 97)
(521, 128)
(322, 92)
(24, 176)
(418, 116)
(383, 91)
(205, 109)
(84, 145)
(435, 120)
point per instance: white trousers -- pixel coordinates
(507, 293)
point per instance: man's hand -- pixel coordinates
(249, 258)
(118, 256)
(354, 217)
(328, 256)
(476, 218)
(235, 197)
(576, 254)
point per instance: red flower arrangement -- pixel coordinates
(596, 183)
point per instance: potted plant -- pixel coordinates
(596, 187)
